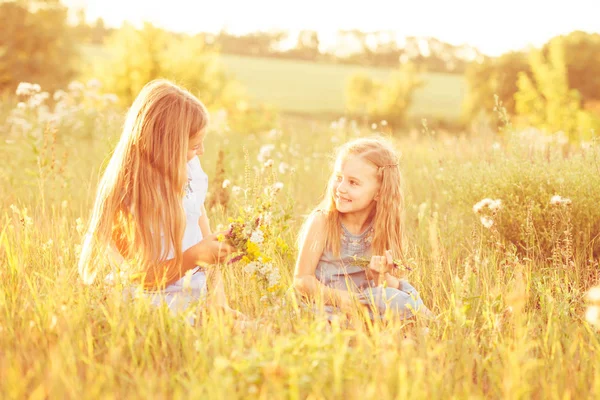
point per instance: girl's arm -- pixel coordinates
(208, 251)
(310, 252)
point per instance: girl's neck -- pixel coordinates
(357, 222)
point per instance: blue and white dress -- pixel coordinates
(342, 274)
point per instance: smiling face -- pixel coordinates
(196, 145)
(355, 185)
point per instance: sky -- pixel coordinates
(494, 27)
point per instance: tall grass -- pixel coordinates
(511, 305)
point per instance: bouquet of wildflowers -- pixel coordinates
(252, 234)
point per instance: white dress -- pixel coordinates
(192, 287)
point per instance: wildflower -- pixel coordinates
(94, 84)
(592, 316)
(269, 163)
(283, 168)
(236, 190)
(257, 237)
(373, 126)
(21, 105)
(593, 295)
(384, 123)
(27, 89)
(226, 183)
(493, 205)
(59, 95)
(265, 152)
(487, 222)
(251, 268)
(76, 86)
(277, 186)
(557, 200)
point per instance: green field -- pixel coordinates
(308, 87)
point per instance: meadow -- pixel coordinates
(305, 87)
(318, 89)
(516, 317)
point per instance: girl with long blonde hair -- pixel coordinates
(149, 216)
(360, 216)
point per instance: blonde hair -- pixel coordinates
(388, 214)
(138, 207)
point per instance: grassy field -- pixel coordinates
(314, 88)
(511, 310)
(303, 87)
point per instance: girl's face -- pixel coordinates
(355, 184)
(196, 145)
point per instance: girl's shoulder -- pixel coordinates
(194, 169)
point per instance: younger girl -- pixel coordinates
(360, 216)
(149, 214)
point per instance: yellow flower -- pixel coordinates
(252, 250)
(281, 244)
(221, 237)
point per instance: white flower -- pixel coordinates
(21, 105)
(373, 126)
(251, 267)
(265, 152)
(226, 183)
(487, 222)
(283, 168)
(27, 89)
(257, 237)
(267, 218)
(593, 295)
(277, 186)
(495, 205)
(592, 315)
(269, 163)
(76, 86)
(236, 190)
(492, 205)
(384, 123)
(557, 200)
(94, 84)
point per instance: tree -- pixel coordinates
(582, 57)
(389, 101)
(490, 77)
(307, 47)
(547, 101)
(137, 56)
(35, 45)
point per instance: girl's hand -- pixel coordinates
(381, 265)
(214, 251)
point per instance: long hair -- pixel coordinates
(138, 205)
(388, 215)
